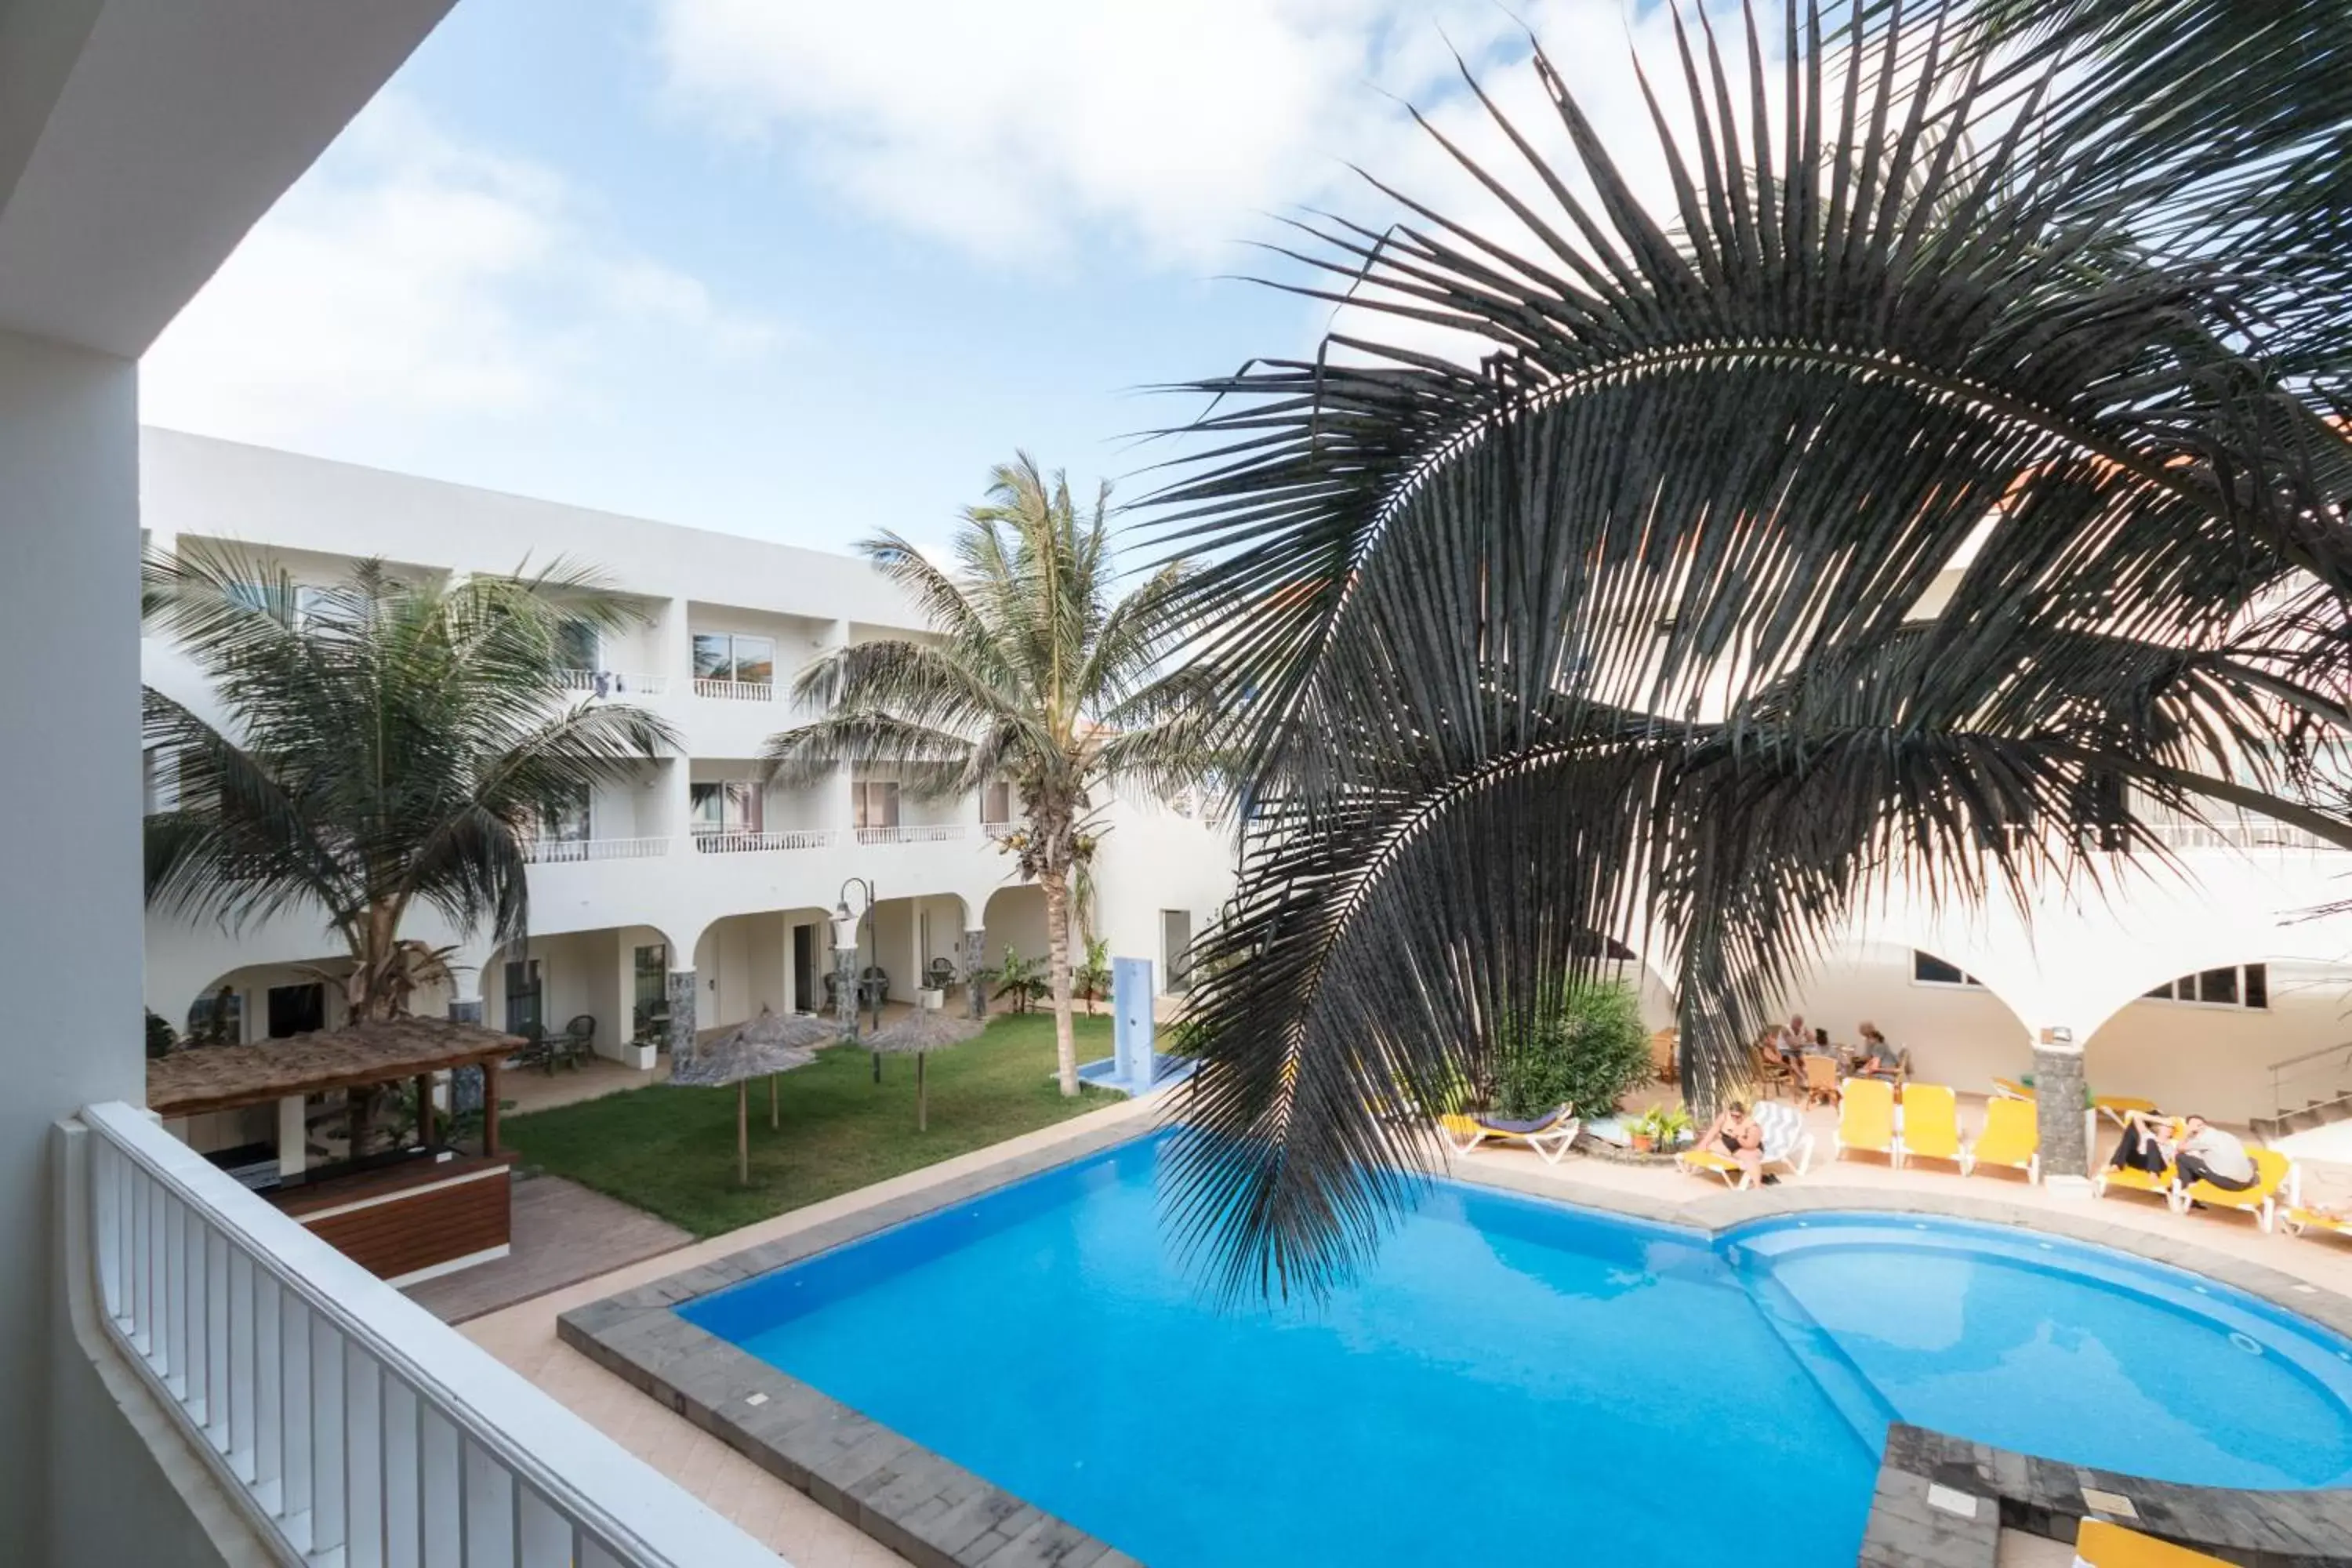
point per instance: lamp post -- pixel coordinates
(848, 929)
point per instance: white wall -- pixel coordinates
(70, 822)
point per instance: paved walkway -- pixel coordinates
(811, 1537)
(564, 1233)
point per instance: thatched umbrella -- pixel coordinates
(762, 1048)
(923, 1031)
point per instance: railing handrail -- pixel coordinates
(599, 1485)
(618, 682)
(735, 690)
(2340, 1046)
(730, 843)
(570, 851)
(911, 833)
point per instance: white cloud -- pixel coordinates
(1033, 131)
(408, 275)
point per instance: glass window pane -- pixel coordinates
(755, 660)
(1933, 971)
(2257, 986)
(714, 657)
(576, 645)
(2218, 986)
(708, 807)
(889, 803)
(743, 803)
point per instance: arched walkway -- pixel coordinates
(1960, 1032)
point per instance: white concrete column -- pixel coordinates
(293, 1137)
(837, 812)
(674, 659)
(71, 930)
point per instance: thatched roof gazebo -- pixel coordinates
(408, 1213)
(922, 1032)
(764, 1047)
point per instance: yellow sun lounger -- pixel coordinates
(2301, 1221)
(1548, 1136)
(2131, 1179)
(2273, 1172)
(2012, 1139)
(1866, 1118)
(2009, 1088)
(2100, 1544)
(1931, 1125)
(2118, 1108)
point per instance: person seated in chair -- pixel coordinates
(2206, 1154)
(1738, 1137)
(1873, 1056)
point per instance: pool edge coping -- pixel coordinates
(937, 1514)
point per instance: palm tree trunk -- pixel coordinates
(1057, 887)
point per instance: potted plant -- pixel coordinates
(1659, 1129)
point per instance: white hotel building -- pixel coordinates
(192, 1379)
(694, 894)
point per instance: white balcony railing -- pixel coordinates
(994, 830)
(735, 690)
(2238, 832)
(746, 842)
(615, 683)
(352, 1425)
(567, 851)
(924, 832)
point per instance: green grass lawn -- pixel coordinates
(672, 1151)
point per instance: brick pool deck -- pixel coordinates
(2313, 1277)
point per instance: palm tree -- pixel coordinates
(388, 744)
(1040, 677)
(1623, 623)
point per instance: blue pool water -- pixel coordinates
(1521, 1372)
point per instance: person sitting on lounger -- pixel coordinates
(1737, 1136)
(2144, 1146)
(2206, 1154)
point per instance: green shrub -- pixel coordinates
(1589, 1056)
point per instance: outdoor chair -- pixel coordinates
(1773, 1073)
(1866, 1118)
(1931, 1126)
(535, 1052)
(2101, 1545)
(939, 975)
(1663, 1046)
(2012, 1139)
(1547, 1135)
(2273, 1172)
(874, 987)
(2300, 1220)
(1821, 1083)
(1786, 1144)
(578, 1042)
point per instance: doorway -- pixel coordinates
(297, 1010)
(804, 968)
(1176, 950)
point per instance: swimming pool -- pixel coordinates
(1518, 1376)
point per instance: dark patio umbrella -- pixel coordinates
(764, 1047)
(923, 1031)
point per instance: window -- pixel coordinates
(652, 996)
(874, 802)
(159, 780)
(577, 646)
(1926, 969)
(1176, 950)
(522, 995)
(297, 1010)
(729, 655)
(568, 820)
(217, 1019)
(264, 597)
(733, 806)
(996, 803)
(2246, 985)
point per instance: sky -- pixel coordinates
(803, 270)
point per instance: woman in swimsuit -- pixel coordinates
(1737, 1136)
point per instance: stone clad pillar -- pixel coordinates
(465, 1008)
(844, 989)
(976, 958)
(681, 1014)
(2061, 1111)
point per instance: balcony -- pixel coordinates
(922, 833)
(749, 843)
(570, 851)
(615, 683)
(735, 690)
(347, 1424)
(997, 831)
